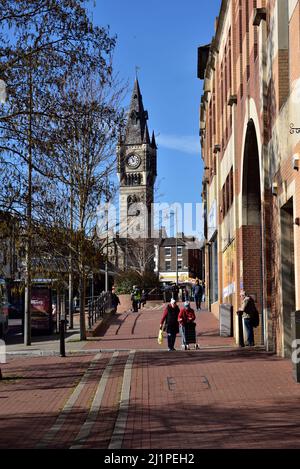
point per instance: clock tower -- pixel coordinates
(136, 154)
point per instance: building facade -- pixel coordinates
(180, 250)
(250, 139)
(137, 171)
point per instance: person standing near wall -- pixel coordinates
(248, 309)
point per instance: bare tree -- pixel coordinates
(48, 41)
(83, 158)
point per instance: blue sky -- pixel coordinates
(161, 37)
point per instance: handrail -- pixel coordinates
(97, 307)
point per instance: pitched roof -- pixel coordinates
(169, 242)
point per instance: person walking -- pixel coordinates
(186, 294)
(135, 299)
(198, 293)
(144, 298)
(169, 322)
(115, 300)
(248, 309)
(175, 291)
(186, 317)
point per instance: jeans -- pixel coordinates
(249, 331)
(171, 340)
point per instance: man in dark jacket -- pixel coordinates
(115, 300)
(170, 319)
(198, 293)
(247, 308)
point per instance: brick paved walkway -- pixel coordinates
(138, 395)
(139, 331)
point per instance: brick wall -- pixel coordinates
(263, 102)
(252, 268)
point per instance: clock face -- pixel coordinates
(133, 161)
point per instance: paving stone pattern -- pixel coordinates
(127, 392)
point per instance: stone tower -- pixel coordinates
(137, 171)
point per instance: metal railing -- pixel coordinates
(97, 307)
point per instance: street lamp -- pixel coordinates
(106, 260)
(106, 214)
(28, 272)
(176, 233)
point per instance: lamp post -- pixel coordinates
(71, 309)
(106, 214)
(176, 239)
(28, 261)
(2, 101)
(106, 260)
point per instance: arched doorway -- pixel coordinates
(251, 269)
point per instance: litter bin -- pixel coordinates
(295, 330)
(226, 320)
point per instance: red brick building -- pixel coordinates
(250, 138)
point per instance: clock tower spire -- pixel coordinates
(137, 117)
(137, 171)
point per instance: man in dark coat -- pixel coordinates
(248, 309)
(170, 323)
(198, 293)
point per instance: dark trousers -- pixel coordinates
(135, 306)
(171, 339)
(198, 301)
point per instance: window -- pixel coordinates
(168, 266)
(179, 265)
(168, 252)
(255, 34)
(213, 271)
(179, 251)
(227, 193)
(231, 187)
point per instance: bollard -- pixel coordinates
(62, 335)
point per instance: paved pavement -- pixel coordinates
(127, 392)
